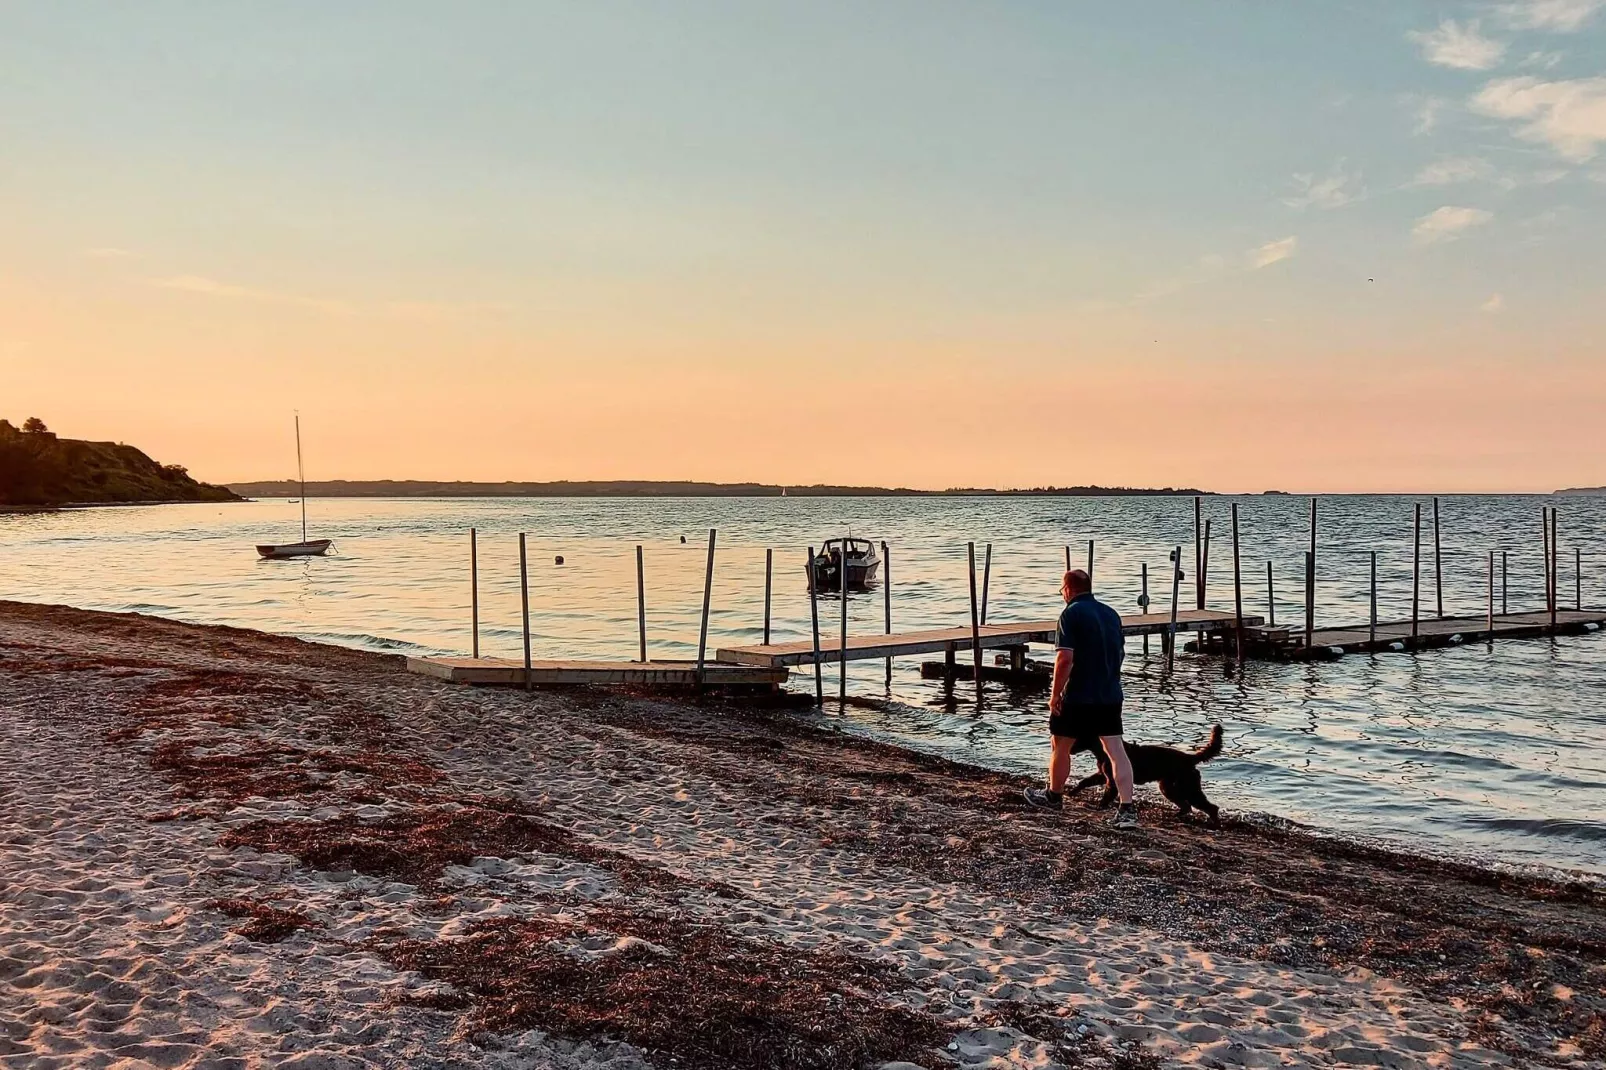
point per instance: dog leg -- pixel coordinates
(1086, 782)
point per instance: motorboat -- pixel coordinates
(857, 556)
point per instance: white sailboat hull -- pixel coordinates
(313, 548)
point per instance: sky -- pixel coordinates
(1313, 246)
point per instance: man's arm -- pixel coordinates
(1062, 675)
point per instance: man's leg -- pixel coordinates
(1120, 766)
(1059, 763)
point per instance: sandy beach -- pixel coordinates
(220, 848)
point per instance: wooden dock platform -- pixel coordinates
(507, 672)
(1285, 642)
(954, 641)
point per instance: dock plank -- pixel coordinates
(506, 671)
(993, 636)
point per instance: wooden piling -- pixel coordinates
(1438, 565)
(708, 598)
(1090, 564)
(1504, 561)
(1544, 526)
(814, 616)
(769, 573)
(474, 587)
(1198, 552)
(1416, 573)
(1371, 630)
(1143, 604)
(641, 604)
(1067, 558)
(1491, 598)
(1237, 593)
(1176, 590)
(842, 650)
(1204, 568)
(886, 596)
(1578, 578)
(1310, 597)
(1271, 599)
(975, 622)
(986, 579)
(524, 602)
(1555, 564)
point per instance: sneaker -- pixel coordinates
(1044, 799)
(1126, 816)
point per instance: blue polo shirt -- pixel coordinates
(1091, 631)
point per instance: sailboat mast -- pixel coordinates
(301, 475)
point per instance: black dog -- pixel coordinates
(1176, 770)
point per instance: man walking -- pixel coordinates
(1085, 700)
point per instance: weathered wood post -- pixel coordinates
(641, 604)
(814, 616)
(1237, 591)
(474, 586)
(1143, 604)
(1438, 565)
(524, 603)
(1544, 524)
(708, 598)
(769, 574)
(1176, 590)
(886, 596)
(1491, 598)
(1555, 564)
(1271, 599)
(986, 579)
(1090, 564)
(1578, 578)
(1504, 561)
(975, 620)
(1310, 597)
(1204, 568)
(842, 647)
(1371, 629)
(1198, 553)
(1416, 572)
(1067, 559)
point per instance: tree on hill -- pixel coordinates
(34, 426)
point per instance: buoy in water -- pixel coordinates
(1591, 626)
(1396, 647)
(1336, 651)
(558, 560)
(1456, 640)
(683, 538)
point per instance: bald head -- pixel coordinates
(1076, 582)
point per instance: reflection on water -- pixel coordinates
(1499, 753)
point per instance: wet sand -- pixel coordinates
(225, 849)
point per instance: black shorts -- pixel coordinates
(1085, 722)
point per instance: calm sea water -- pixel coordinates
(1494, 753)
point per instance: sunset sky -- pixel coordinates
(1315, 246)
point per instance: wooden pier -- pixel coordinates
(954, 641)
(1288, 643)
(508, 672)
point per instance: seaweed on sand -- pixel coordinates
(265, 923)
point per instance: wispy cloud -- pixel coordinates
(1451, 170)
(1569, 116)
(1494, 303)
(1540, 61)
(1333, 191)
(1461, 47)
(199, 284)
(1272, 252)
(107, 252)
(1447, 224)
(1559, 16)
(418, 311)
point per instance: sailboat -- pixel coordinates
(306, 547)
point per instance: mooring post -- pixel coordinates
(1198, 552)
(1310, 597)
(641, 603)
(1204, 568)
(1555, 564)
(1176, 590)
(1544, 525)
(1438, 564)
(1371, 630)
(986, 579)
(708, 597)
(1067, 558)
(1143, 604)
(1491, 598)
(1237, 591)
(1578, 578)
(975, 621)
(1416, 572)
(769, 572)
(886, 596)
(1504, 605)
(524, 602)
(814, 616)
(474, 586)
(1271, 599)
(1090, 564)
(842, 649)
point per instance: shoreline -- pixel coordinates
(434, 858)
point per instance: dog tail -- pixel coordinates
(1211, 749)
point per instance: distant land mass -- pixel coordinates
(1583, 490)
(38, 469)
(634, 488)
